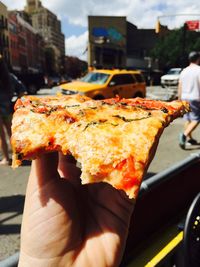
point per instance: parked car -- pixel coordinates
(100, 84)
(65, 79)
(53, 81)
(171, 78)
(18, 87)
(152, 77)
(32, 81)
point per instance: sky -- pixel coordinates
(142, 13)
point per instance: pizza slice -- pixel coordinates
(114, 140)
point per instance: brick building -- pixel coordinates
(49, 27)
(4, 38)
(26, 45)
(13, 40)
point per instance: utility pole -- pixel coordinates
(183, 45)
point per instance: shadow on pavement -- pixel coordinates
(10, 229)
(10, 207)
(193, 147)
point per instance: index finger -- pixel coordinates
(43, 170)
(68, 169)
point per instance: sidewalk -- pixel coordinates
(13, 185)
(12, 193)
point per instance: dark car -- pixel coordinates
(152, 77)
(17, 86)
(32, 81)
(18, 89)
(65, 79)
(53, 81)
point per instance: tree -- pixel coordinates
(173, 48)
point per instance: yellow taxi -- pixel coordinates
(101, 84)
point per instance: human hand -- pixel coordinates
(69, 224)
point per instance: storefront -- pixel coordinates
(116, 43)
(107, 41)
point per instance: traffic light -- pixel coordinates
(157, 29)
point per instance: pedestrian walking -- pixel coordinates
(189, 90)
(5, 110)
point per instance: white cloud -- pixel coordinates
(142, 13)
(14, 4)
(76, 46)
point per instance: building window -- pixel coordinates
(139, 78)
(109, 56)
(22, 41)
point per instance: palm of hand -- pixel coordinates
(66, 224)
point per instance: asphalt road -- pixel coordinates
(13, 182)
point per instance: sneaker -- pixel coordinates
(182, 140)
(192, 142)
(4, 162)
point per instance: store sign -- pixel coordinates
(193, 25)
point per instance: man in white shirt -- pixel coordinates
(189, 90)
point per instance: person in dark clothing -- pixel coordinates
(5, 110)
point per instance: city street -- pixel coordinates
(13, 182)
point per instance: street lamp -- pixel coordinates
(157, 28)
(149, 62)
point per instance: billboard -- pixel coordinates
(193, 25)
